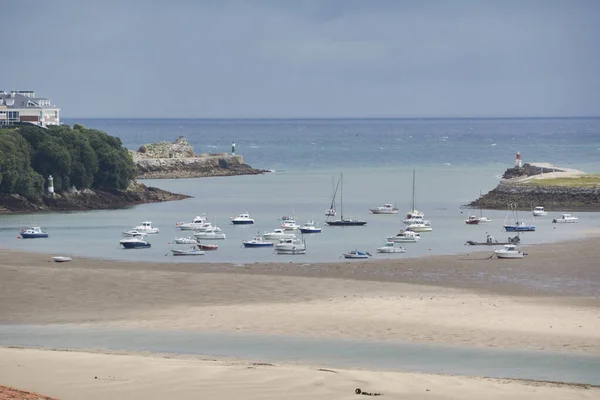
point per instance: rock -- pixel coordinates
(165, 160)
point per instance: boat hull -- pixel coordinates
(208, 247)
(245, 222)
(509, 255)
(376, 211)
(61, 259)
(312, 230)
(391, 250)
(290, 251)
(512, 228)
(346, 223)
(187, 252)
(248, 244)
(136, 245)
(34, 235)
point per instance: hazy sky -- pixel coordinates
(305, 58)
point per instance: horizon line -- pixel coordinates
(331, 118)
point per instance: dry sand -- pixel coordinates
(548, 301)
(71, 375)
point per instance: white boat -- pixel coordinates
(210, 234)
(196, 223)
(290, 225)
(414, 219)
(405, 237)
(484, 219)
(290, 246)
(390, 248)
(310, 227)
(206, 226)
(424, 226)
(62, 259)
(539, 211)
(384, 209)
(146, 227)
(258, 241)
(242, 219)
(278, 234)
(565, 218)
(185, 240)
(133, 232)
(356, 254)
(413, 213)
(509, 251)
(192, 251)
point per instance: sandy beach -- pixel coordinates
(547, 301)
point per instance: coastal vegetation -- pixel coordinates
(589, 180)
(75, 157)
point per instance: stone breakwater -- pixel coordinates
(169, 160)
(552, 198)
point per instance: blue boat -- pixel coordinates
(33, 233)
(242, 219)
(136, 242)
(257, 242)
(519, 227)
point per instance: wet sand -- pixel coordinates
(548, 301)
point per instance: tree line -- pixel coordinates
(77, 156)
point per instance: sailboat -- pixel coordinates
(331, 212)
(517, 225)
(481, 217)
(342, 221)
(413, 213)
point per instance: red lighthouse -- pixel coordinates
(518, 160)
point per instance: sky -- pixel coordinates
(305, 58)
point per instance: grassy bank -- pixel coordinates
(588, 180)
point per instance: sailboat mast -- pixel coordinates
(342, 196)
(413, 194)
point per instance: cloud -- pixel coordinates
(306, 58)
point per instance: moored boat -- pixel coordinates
(423, 226)
(384, 209)
(290, 246)
(344, 221)
(278, 234)
(389, 247)
(310, 227)
(290, 225)
(135, 242)
(405, 236)
(34, 232)
(185, 240)
(539, 211)
(146, 227)
(509, 251)
(258, 241)
(565, 218)
(472, 220)
(192, 251)
(196, 223)
(242, 219)
(210, 234)
(61, 259)
(208, 246)
(491, 241)
(356, 254)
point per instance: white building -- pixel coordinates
(23, 106)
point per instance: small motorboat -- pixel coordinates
(484, 219)
(192, 251)
(135, 242)
(258, 241)
(539, 211)
(390, 248)
(356, 254)
(278, 234)
(288, 218)
(62, 259)
(290, 225)
(185, 240)
(242, 219)
(133, 232)
(405, 236)
(384, 209)
(509, 251)
(565, 219)
(491, 241)
(210, 234)
(146, 227)
(34, 232)
(423, 226)
(414, 219)
(310, 227)
(208, 246)
(472, 220)
(290, 246)
(196, 223)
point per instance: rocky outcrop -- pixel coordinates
(169, 160)
(528, 170)
(553, 198)
(84, 200)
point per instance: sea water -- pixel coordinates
(454, 160)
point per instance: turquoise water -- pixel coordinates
(341, 353)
